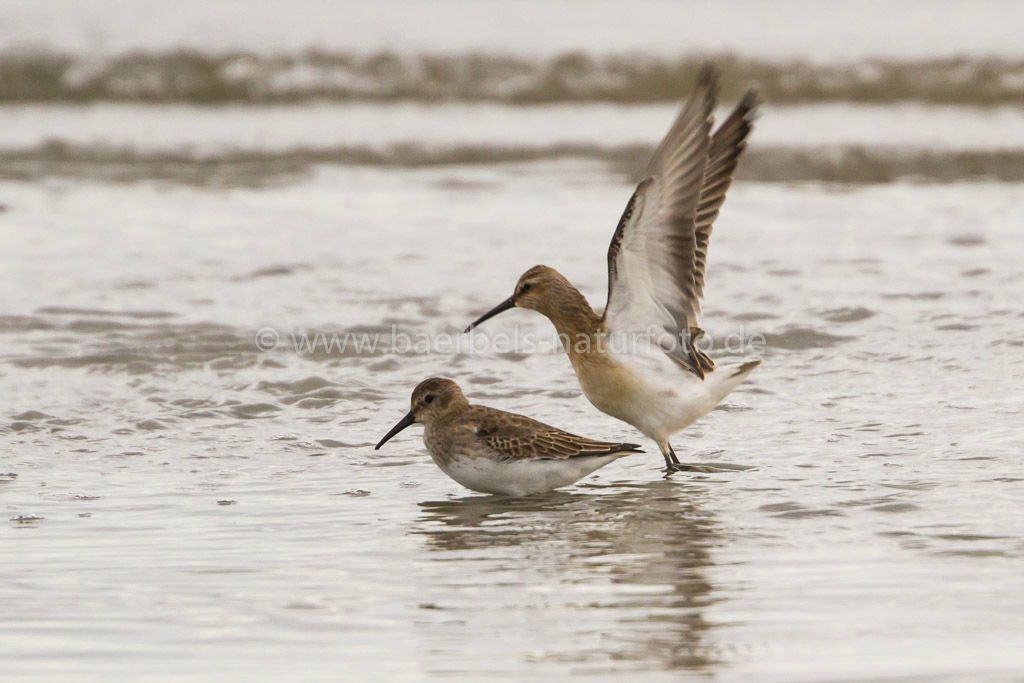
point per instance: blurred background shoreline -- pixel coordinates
(193, 77)
(250, 120)
(264, 93)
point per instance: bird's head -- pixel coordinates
(541, 288)
(433, 400)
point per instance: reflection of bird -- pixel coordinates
(632, 562)
(493, 451)
(638, 361)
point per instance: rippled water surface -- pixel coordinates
(178, 501)
(210, 314)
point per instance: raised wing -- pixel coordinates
(652, 257)
(727, 144)
(658, 254)
(518, 437)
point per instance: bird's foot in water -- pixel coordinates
(674, 467)
(702, 468)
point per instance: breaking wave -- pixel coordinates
(836, 164)
(196, 77)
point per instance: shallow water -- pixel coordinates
(206, 131)
(211, 313)
(180, 503)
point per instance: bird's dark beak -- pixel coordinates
(402, 424)
(500, 308)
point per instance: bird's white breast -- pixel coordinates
(518, 477)
(647, 390)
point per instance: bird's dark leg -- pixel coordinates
(672, 464)
(666, 452)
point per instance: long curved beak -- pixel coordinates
(500, 308)
(402, 424)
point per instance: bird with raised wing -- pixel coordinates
(491, 451)
(638, 361)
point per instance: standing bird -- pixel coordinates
(638, 361)
(492, 451)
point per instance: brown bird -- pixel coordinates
(492, 451)
(638, 360)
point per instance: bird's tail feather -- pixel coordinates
(727, 377)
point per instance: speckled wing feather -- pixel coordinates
(652, 256)
(727, 144)
(518, 437)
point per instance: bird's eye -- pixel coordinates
(429, 398)
(525, 288)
